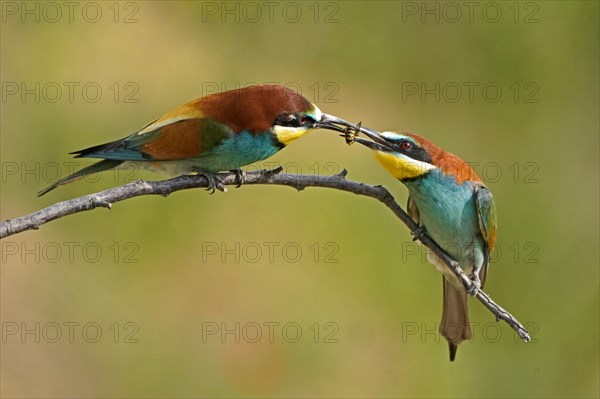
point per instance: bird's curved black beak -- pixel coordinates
(378, 144)
(334, 123)
(339, 125)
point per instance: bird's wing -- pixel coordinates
(182, 133)
(412, 210)
(187, 111)
(486, 211)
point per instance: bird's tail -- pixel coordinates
(105, 164)
(455, 318)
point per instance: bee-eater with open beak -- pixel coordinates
(220, 132)
(450, 202)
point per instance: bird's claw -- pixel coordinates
(240, 177)
(419, 232)
(475, 286)
(214, 182)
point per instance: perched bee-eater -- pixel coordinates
(220, 132)
(450, 202)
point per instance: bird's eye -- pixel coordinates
(405, 145)
(292, 120)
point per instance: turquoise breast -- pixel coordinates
(238, 150)
(448, 212)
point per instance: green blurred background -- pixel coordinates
(342, 270)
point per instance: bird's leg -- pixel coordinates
(475, 280)
(214, 182)
(240, 177)
(419, 232)
(475, 285)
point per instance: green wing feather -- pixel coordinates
(486, 211)
(97, 167)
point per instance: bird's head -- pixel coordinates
(269, 108)
(409, 156)
(288, 126)
(403, 155)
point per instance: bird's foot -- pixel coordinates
(419, 232)
(475, 285)
(214, 182)
(240, 177)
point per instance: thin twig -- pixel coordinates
(165, 187)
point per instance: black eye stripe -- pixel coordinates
(291, 120)
(412, 150)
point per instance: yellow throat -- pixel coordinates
(402, 167)
(286, 134)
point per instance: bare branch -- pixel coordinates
(165, 187)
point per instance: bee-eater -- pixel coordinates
(219, 132)
(450, 202)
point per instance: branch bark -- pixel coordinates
(165, 187)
